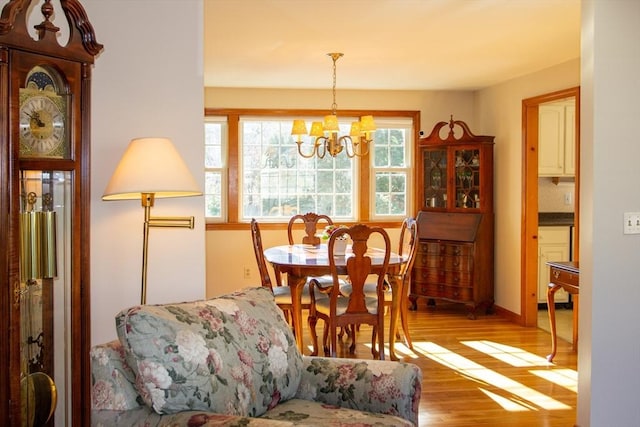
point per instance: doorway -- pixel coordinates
(529, 256)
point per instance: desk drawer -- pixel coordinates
(454, 293)
(449, 262)
(564, 277)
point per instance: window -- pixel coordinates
(215, 132)
(391, 169)
(277, 182)
(271, 181)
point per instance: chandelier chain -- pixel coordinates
(335, 57)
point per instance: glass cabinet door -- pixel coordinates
(435, 178)
(467, 180)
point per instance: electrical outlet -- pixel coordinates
(247, 273)
(632, 223)
(568, 198)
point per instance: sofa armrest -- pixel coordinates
(368, 385)
(112, 380)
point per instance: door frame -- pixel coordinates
(529, 227)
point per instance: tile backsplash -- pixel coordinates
(552, 197)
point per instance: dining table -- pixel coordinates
(301, 261)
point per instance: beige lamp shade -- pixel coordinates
(355, 129)
(330, 123)
(151, 165)
(367, 124)
(299, 128)
(316, 129)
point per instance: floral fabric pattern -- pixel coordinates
(112, 379)
(231, 355)
(382, 387)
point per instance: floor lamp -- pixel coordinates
(150, 169)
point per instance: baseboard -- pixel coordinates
(508, 315)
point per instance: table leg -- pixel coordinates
(551, 291)
(296, 284)
(404, 307)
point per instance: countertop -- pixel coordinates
(555, 218)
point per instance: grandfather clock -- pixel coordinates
(45, 80)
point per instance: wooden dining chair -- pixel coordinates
(342, 311)
(282, 294)
(407, 247)
(311, 221)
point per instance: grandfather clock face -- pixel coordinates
(44, 116)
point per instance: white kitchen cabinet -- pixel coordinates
(553, 245)
(557, 139)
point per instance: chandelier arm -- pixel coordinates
(363, 143)
(321, 146)
(354, 147)
(347, 142)
(314, 150)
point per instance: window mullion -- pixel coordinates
(234, 169)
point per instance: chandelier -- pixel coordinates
(326, 132)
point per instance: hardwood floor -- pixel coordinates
(484, 372)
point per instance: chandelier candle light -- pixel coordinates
(326, 132)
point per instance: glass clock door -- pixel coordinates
(45, 283)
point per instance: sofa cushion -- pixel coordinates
(234, 354)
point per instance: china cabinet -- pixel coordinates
(454, 261)
(44, 213)
(557, 139)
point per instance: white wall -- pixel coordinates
(147, 82)
(609, 346)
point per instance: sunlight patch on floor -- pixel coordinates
(514, 356)
(404, 351)
(567, 378)
(506, 404)
(487, 376)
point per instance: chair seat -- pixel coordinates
(369, 291)
(322, 305)
(282, 295)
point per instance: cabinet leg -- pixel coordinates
(471, 315)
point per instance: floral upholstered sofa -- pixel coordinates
(233, 361)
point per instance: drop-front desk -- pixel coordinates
(565, 275)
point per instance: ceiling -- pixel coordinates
(387, 44)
